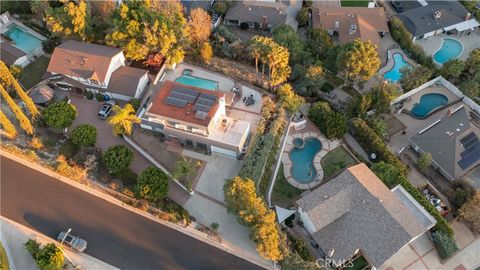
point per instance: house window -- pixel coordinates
(233, 22)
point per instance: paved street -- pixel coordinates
(115, 235)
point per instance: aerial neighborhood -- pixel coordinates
(221, 134)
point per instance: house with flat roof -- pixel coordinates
(196, 117)
(350, 23)
(355, 214)
(458, 134)
(11, 55)
(263, 15)
(81, 66)
(430, 18)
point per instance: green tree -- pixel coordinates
(378, 126)
(152, 184)
(287, 37)
(359, 59)
(277, 59)
(206, 53)
(389, 174)
(446, 245)
(382, 95)
(289, 99)
(39, 8)
(452, 69)
(359, 106)
(117, 159)
(319, 42)
(50, 257)
(69, 20)
(332, 124)
(84, 135)
(473, 62)
(123, 119)
(303, 16)
(470, 88)
(414, 77)
(220, 7)
(424, 161)
(183, 167)
(295, 262)
(59, 114)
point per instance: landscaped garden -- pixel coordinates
(32, 74)
(335, 161)
(284, 194)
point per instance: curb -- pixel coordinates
(125, 206)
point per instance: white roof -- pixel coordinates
(283, 213)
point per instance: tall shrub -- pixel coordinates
(8, 127)
(25, 123)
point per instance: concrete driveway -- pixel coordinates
(87, 114)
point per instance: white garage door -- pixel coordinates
(225, 152)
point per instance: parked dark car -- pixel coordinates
(398, 6)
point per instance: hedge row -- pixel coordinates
(374, 144)
(446, 245)
(257, 157)
(401, 35)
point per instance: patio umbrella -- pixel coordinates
(41, 94)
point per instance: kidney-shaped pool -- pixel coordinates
(302, 157)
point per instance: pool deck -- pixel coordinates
(433, 44)
(310, 131)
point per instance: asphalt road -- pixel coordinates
(114, 235)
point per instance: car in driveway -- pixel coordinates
(398, 6)
(74, 242)
(106, 109)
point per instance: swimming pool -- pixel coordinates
(188, 79)
(451, 49)
(428, 103)
(303, 170)
(394, 74)
(23, 40)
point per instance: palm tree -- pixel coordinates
(123, 119)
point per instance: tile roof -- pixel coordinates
(186, 114)
(275, 13)
(355, 210)
(81, 59)
(125, 80)
(368, 22)
(420, 20)
(447, 132)
(9, 53)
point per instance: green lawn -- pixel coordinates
(33, 73)
(355, 3)
(335, 161)
(283, 193)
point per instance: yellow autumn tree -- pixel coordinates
(123, 119)
(69, 20)
(5, 72)
(359, 59)
(200, 25)
(22, 119)
(206, 53)
(7, 126)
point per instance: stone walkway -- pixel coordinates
(13, 235)
(292, 11)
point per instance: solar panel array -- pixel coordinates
(180, 97)
(471, 154)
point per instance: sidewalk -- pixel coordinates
(14, 235)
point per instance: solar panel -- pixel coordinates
(467, 138)
(182, 97)
(201, 115)
(176, 102)
(470, 149)
(471, 142)
(205, 102)
(185, 91)
(203, 108)
(208, 96)
(469, 159)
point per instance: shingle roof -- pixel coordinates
(355, 210)
(9, 53)
(275, 13)
(125, 80)
(368, 22)
(81, 59)
(447, 133)
(420, 20)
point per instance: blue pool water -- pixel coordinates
(23, 40)
(394, 74)
(302, 161)
(451, 49)
(428, 103)
(197, 82)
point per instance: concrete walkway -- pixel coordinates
(355, 146)
(14, 235)
(292, 11)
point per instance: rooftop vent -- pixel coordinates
(353, 29)
(437, 14)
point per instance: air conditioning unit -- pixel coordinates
(437, 15)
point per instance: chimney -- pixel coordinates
(468, 16)
(449, 112)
